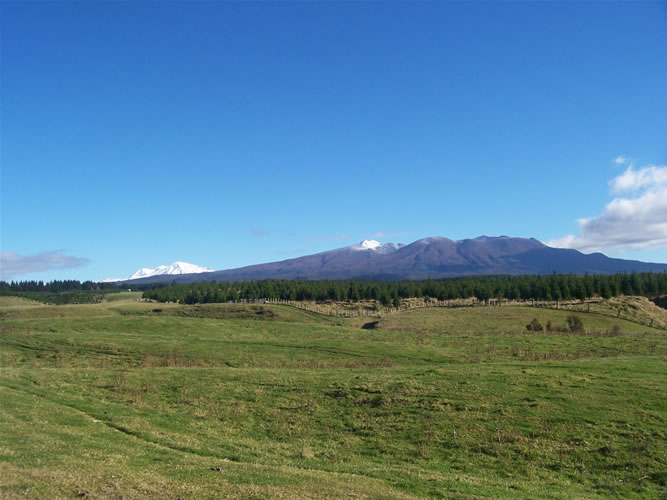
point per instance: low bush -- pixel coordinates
(574, 324)
(534, 326)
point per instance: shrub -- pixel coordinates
(615, 331)
(534, 326)
(574, 324)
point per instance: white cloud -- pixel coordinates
(620, 160)
(13, 264)
(637, 220)
(650, 177)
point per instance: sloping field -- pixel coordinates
(140, 400)
(639, 310)
(9, 302)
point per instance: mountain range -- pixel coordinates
(434, 257)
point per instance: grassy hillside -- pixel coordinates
(636, 309)
(138, 400)
(8, 301)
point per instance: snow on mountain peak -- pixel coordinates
(175, 268)
(369, 245)
(376, 246)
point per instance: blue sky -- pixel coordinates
(227, 134)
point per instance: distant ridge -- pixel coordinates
(433, 257)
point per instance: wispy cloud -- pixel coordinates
(621, 160)
(636, 218)
(258, 232)
(13, 264)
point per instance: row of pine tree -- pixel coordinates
(544, 288)
(55, 286)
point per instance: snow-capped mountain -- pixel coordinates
(376, 246)
(174, 269)
(367, 245)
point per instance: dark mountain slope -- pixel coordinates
(434, 257)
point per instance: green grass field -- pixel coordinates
(126, 399)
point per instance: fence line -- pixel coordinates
(361, 311)
(378, 312)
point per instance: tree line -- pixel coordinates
(555, 287)
(54, 286)
(59, 291)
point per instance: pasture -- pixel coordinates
(124, 399)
